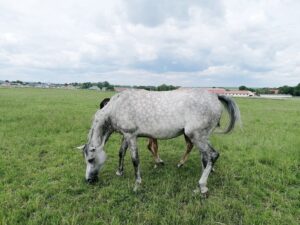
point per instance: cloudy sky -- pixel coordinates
(185, 42)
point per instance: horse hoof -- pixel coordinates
(205, 194)
(179, 165)
(119, 173)
(160, 163)
(137, 187)
(204, 190)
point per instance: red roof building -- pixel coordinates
(235, 93)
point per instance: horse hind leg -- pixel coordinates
(214, 157)
(208, 157)
(153, 148)
(189, 147)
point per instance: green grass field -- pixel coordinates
(257, 179)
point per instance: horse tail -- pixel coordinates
(104, 102)
(233, 110)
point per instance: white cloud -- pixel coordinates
(187, 43)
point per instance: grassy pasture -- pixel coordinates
(257, 178)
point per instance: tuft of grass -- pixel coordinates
(42, 174)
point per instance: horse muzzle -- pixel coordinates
(92, 180)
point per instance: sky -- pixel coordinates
(191, 43)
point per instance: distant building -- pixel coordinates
(239, 93)
(222, 91)
(95, 88)
(274, 91)
(41, 85)
(6, 84)
(233, 93)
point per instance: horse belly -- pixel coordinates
(161, 133)
(162, 128)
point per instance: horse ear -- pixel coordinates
(80, 147)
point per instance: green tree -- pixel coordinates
(286, 90)
(297, 90)
(105, 84)
(86, 85)
(110, 87)
(242, 88)
(165, 87)
(100, 85)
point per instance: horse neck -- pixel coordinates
(99, 132)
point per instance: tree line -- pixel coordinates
(288, 90)
(111, 87)
(291, 90)
(163, 87)
(295, 91)
(100, 85)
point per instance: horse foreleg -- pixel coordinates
(153, 148)
(189, 147)
(122, 153)
(135, 161)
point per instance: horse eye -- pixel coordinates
(93, 150)
(91, 160)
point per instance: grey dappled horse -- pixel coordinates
(152, 147)
(161, 115)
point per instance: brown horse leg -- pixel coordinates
(153, 148)
(189, 147)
